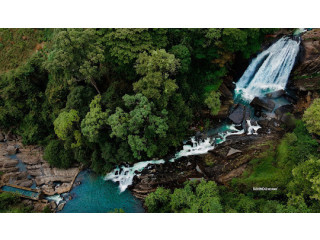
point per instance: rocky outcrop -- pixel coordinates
(283, 110)
(237, 114)
(306, 76)
(226, 161)
(35, 170)
(262, 103)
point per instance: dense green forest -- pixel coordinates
(106, 96)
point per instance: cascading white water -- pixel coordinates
(124, 175)
(270, 70)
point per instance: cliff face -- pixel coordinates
(306, 76)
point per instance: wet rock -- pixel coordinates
(262, 103)
(290, 98)
(238, 114)
(275, 94)
(11, 150)
(280, 111)
(200, 136)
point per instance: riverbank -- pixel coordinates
(24, 166)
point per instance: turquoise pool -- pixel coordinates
(95, 195)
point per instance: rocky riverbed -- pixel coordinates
(24, 166)
(226, 161)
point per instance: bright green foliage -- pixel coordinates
(11, 203)
(195, 197)
(140, 127)
(57, 155)
(156, 69)
(213, 102)
(64, 124)
(77, 55)
(127, 43)
(7, 199)
(95, 120)
(311, 117)
(306, 178)
(158, 201)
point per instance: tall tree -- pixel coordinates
(76, 55)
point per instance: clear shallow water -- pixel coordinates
(95, 195)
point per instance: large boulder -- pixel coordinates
(237, 115)
(276, 94)
(263, 103)
(280, 111)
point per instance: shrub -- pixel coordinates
(213, 102)
(7, 200)
(311, 117)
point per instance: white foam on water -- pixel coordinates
(56, 198)
(124, 174)
(252, 129)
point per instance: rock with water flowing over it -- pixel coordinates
(238, 114)
(275, 94)
(262, 103)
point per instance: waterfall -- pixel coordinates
(270, 70)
